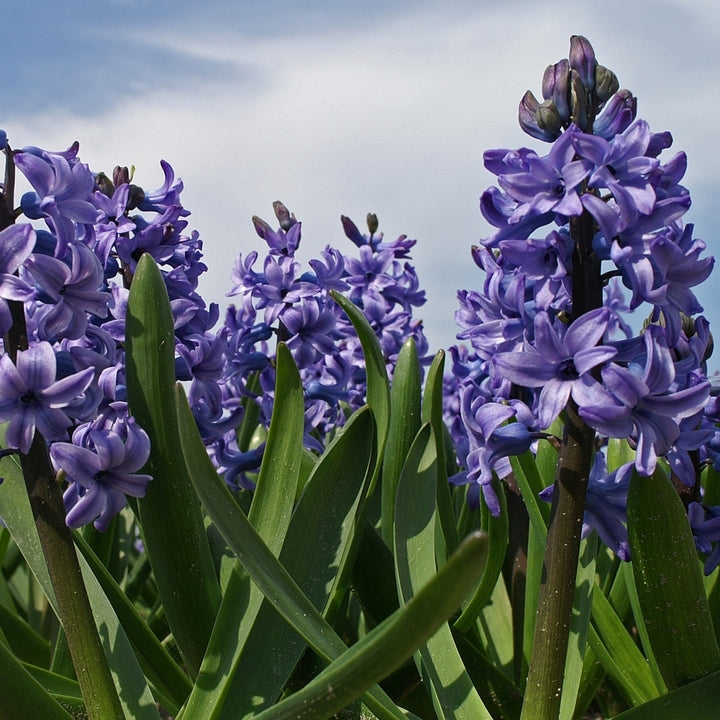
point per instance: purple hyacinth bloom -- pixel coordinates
(311, 330)
(167, 195)
(622, 167)
(705, 524)
(560, 365)
(616, 116)
(491, 441)
(282, 287)
(550, 183)
(103, 471)
(31, 398)
(16, 244)
(69, 293)
(279, 241)
(63, 188)
(641, 402)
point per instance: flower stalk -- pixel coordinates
(557, 588)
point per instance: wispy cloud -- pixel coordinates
(336, 112)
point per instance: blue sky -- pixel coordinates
(345, 108)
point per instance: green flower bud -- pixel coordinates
(606, 83)
(372, 223)
(135, 197)
(548, 118)
(578, 101)
(104, 184)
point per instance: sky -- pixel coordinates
(345, 108)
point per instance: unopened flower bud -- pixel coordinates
(606, 83)
(135, 197)
(582, 60)
(556, 87)
(527, 117)
(548, 118)
(104, 184)
(121, 175)
(617, 115)
(285, 218)
(372, 223)
(578, 101)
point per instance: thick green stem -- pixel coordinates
(555, 602)
(547, 665)
(76, 614)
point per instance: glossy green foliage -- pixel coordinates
(170, 516)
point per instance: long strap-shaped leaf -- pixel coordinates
(172, 523)
(699, 700)
(259, 562)
(156, 662)
(406, 408)
(21, 695)
(314, 554)
(454, 695)
(378, 388)
(432, 412)
(669, 582)
(270, 514)
(387, 646)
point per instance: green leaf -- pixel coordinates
(314, 554)
(270, 514)
(619, 655)
(258, 561)
(386, 647)
(531, 484)
(378, 388)
(28, 645)
(65, 690)
(497, 529)
(405, 423)
(698, 700)
(170, 516)
(155, 660)
(582, 605)
(669, 582)
(432, 412)
(135, 697)
(438, 661)
(22, 697)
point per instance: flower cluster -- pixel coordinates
(65, 274)
(64, 281)
(598, 215)
(280, 301)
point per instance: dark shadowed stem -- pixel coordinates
(550, 643)
(547, 664)
(76, 615)
(89, 661)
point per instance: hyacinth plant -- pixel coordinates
(293, 513)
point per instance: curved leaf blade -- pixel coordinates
(260, 564)
(388, 645)
(438, 660)
(172, 523)
(669, 582)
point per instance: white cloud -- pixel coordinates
(391, 119)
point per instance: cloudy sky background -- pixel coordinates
(381, 106)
